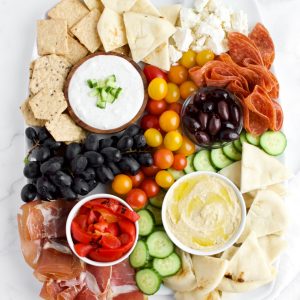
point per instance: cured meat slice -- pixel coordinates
(135, 295)
(241, 48)
(263, 41)
(279, 116)
(102, 276)
(86, 294)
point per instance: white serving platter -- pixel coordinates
(251, 9)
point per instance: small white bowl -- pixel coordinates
(72, 215)
(221, 248)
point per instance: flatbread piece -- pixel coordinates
(145, 7)
(159, 57)
(91, 4)
(119, 6)
(170, 12)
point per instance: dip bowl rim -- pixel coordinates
(212, 251)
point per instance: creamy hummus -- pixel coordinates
(203, 212)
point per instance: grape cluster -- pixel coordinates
(56, 170)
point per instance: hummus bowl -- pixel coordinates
(204, 213)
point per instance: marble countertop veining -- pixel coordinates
(17, 31)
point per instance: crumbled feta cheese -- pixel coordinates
(183, 39)
(188, 18)
(214, 4)
(175, 55)
(217, 47)
(214, 21)
(239, 22)
(200, 5)
(216, 34)
(223, 13)
(199, 44)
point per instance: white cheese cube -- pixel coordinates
(183, 38)
(199, 44)
(214, 21)
(217, 34)
(188, 18)
(217, 47)
(239, 22)
(200, 5)
(203, 15)
(224, 14)
(214, 4)
(174, 54)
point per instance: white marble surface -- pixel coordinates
(17, 27)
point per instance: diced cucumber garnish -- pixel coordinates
(156, 212)
(189, 167)
(157, 201)
(231, 152)
(273, 142)
(220, 160)
(176, 174)
(148, 281)
(140, 255)
(202, 161)
(253, 139)
(168, 266)
(146, 222)
(159, 244)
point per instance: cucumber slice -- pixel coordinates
(148, 281)
(243, 138)
(140, 255)
(176, 174)
(231, 152)
(202, 161)
(156, 212)
(159, 244)
(189, 167)
(157, 201)
(238, 145)
(168, 266)
(253, 139)
(159, 228)
(146, 222)
(273, 142)
(220, 160)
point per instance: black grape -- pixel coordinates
(32, 170)
(111, 154)
(42, 134)
(129, 165)
(45, 188)
(80, 186)
(125, 143)
(78, 164)
(72, 150)
(50, 167)
(94, 158)
(92, 184)
(67, 193)
(132, 130)
(28, 192)
(140, 141)
(42, 154)
(104, 143)
(145, 159)
(51, 144)
(88, 174)
(31, 134)
(114, 168)
(104, 174)
(91, 142)
(61, 179)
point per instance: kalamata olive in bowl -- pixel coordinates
(212, 117)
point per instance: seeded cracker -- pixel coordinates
(52, 37)
(29, 118)
(91, 4)
(63, 129)
(48, 103)
(86, 31)
(70, 10)
(77, 51)
(49, 72)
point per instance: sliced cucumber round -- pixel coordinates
(157, 201)
(189, 167)
(273, 142)
(156, 212)
(202, 161)
(146, 222)
(253, 139)
(140, 255)
(168, 266)
(238, 145)
(148, 281)
(175, 173)
(220, 160)
(231, 152)
(243, 137)
(159, 244)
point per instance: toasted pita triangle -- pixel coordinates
(119, 6)
(145, 7)
(145, 33)
(159, 57)
(170, 12)
(197, 294)
(233, 172)
(260, 170)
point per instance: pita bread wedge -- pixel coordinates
(145, 7)
(233, 172)
(119, 6)
(267, 215)
(248, 268)
(209, 272)
(111, 30)
(145, 33)
(228, 254)
(170, 12)
(197, 294)
(159, 57)
(260, 170)
(185, 279)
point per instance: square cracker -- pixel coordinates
(64, 129)
(70, 10)
(52, 37)
(77, 51)
(28, 115)
(48, 103)
(49, 71)
(91, 4)
(86, 31)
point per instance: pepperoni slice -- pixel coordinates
(279, 117)
(263, 41)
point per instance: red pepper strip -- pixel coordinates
(110, 241)
(92, 218)
(79, 234)
(83, 249)
(105, 254)
(127, 213)
(113, 228)
(82, 221)
(110, 204)
(83, 210)
(108, 216)
(127, 227)
(101, 225)
(127, 246)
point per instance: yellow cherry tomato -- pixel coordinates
(173, 140)
(164, 179)
(178, 74)
(188, 59)
(153, 137)
(204, 56)
(187, 88)
(173, 94)
(187, 147)
(169, 120)
(158, 89)
(122, 184)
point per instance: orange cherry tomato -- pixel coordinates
(187, 88)
(122, 184)
(137, 179)
(163, 158)
(187, 147)
(180, 162)
(157, 107)
(164, 179)
(169, 120)
(173, 94)
(178, 74)
(176, 106)
(158, 89)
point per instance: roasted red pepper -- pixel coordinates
(83, 249)
(79, 234)
(104, 255)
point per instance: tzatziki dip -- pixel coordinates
(123, 109)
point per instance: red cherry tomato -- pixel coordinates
(156, 107)
(150, 171)
(110, 242)
(83, 249)
(137, 199)
(152, 72)
(180, 162)
(176, 106)
(149, 121)
(137, 179)
(163, 158)
(150, 187)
